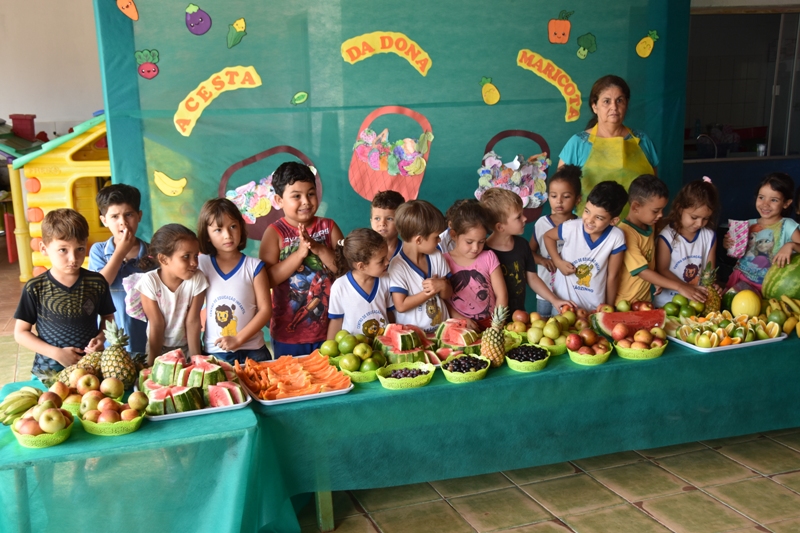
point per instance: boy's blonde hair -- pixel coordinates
(65, 225)
(500, 204)
(418, 217)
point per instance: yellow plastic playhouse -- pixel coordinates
(66, 172)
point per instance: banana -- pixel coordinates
(790, 324)
(167, 185)
(37, 392)
(18, 394)
(9, 419)
(797, 329)
(786, 309)
(19, 405)
(792, 305)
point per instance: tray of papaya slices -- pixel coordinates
(180, 388)
(292, 379)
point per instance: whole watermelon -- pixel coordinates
(783, 280)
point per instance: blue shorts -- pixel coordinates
(261, 354)
(295, 350)
(544, 308)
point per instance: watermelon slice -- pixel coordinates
(455, 336)
(144, 375)
(444, 353)
(186, 399)
(604, 322)
(237, 392)
(167, 367)
(450, 322)
(160, 402)
(150, 385)
(414, 355)
(203, 359)
(219, 396)
(432, 358)
(423, 339)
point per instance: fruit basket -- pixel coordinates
(74, 408)
(512, 339)
(44, 440)
(632, 353)
(529, 352)
(116, 429)
(556, 349)
(405, 383)
(589, 360)
(361, 377)
(335, 360)
(465, 377)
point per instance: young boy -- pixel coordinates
(590, 262)
(418, 274)
(298, 253)
(382, 219)
(508, 223)
(65, 302)
(648, 196)
(119, 256)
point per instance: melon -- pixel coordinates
(186, 399)
(432, 358)
(783, 280)
(604, 322)
(415, 355)
(746, 302)
(219, 396)
(450, 322)
(166, 367)
(458, 337)
(144, 375)
(237, 392)
(150, 385)
(160, 402)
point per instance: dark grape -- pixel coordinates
(407, 373)
(466, 363)
(527, 353)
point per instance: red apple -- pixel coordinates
(582, 313)
(108, 417)
(657, 343)
(67, 416)
(646, 306)
(534, 317)
(521, 316)
(602, 341)
(624, 343)
(61, 389)
(124, 406)
(605, 308)
(586, 350)
(75, 376)
(574, 342)
(87, 383)
(599, 349)
(566, 307)
(640, 346)
(52, 420)
(636, 305)
(129, 414)
(107, 404)
(91, 416)
(589, 336)
(73, 398)
(659, 333)
(619, 332)
(138, 400)
(643, 336)
(94, 394)
(114, 388)
(41, 408)
(51, 396)
(29, 426)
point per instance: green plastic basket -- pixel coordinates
(360, 377)
(589, 360)
(556, 349)
(335, 360)
(74, 408)
(112, 430)
(45, 440)
(405, 383)
(632, 353)
(527, 366)
(512, 339)
(465, 377)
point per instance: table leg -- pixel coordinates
(324, 511)
(23, 512)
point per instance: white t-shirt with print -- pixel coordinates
(361, 312)
(687, 259)
(174, 306)
(542, 226)
(406, 278)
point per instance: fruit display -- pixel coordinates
(406, 375)
(44, 424)
(587, 342)
(604, 323)
(465, 368)
(493, 345)
(548, 334)
(455, 334)
(404, 343)
(291, 377)
(721, 330)
(107, 417)
(589, 359)
(88, 386)
(527, 358)
(640, 344)
(400, 373)
(18, 402)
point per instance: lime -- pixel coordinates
(350, 362)
(685, 311)
(697, 306)
(680, 299)
(341, 335)
(363, 350)
(777, 316)
(724, 323)
(702, 341)
(369, 364)
(347, 344)
(329, 348)
(672, 309)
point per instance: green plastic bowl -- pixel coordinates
(527, 366)
(74, 408)
(512, 339)
(465, 377)
(44, 440)
(405, 383)
(556, 349)
(112, 430)
(589, 360)
(361, 377)
(334, 360)
(631, 353)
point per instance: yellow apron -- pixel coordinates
(612, 159)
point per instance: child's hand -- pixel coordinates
(693, 292)
(558, 304)
(565, 267)
(658, 289)
(783, 256)
(313, 246)
(68, 356)
(471, 324)
(229, 344)
(125, 241)
(95, 345)
(727, 242)
(433, 286)
(548, 264)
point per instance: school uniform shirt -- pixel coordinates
(446, 242)
(687, 259)
(397, 249)
(406, 278)
(473, 295)
(587, 286)
(174, 306)
(516, 263)
(361, 312)
(640, 254)
(542, 226)
(230, 301)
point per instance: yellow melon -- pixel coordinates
(746, 302)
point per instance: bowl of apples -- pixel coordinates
(588, 348)
(45, 424)
(108, 417)
(641, 344)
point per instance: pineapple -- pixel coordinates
(115, 361)
(493, 344)
(63, 375)
(708, 279)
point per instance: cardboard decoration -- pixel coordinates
(489, 91)
(167, 185)
(146, 61)
(361, 47)
(645, 46)
(558, 28)
(549, 71)
(128, 7)
(587, 44)
(236, 32)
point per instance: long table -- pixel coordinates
(237, 471)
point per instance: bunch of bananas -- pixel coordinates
(15, 404)
(786, 312)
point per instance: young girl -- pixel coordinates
(476, 276)
(238, 303)
(360, 300)
(172, 295)
(564, 192)
(772, 238)
(688, 241)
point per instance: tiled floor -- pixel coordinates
(742, 484)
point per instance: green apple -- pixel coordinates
(341, 335)
(363, 350)
(623, 306)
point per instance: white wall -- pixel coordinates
(49, 62)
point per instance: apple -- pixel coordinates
(75, 376)
(112, 387)
(623, 306)
(580, 324)
(94, 394)
(521, 316)
(546, 341)
(538, 323)
(89, 403)
(643, 336)
(87, 383)
(61, 389)
(50, 396)
(582, 313)
(29, 426)
(362, 350)
(41, 408)
(566, 307)
(129, 414)
(67, 416)
(108, 417)
(624, 343)
(73, 398)
(574, 342)
(602, 341)
(92, 415)
(18, 422)
(107, 404)
(552, 330)
(636, 305)
(659, 333)
(518, 327)
(570, 316)
(646, 306)
(640, 346)
(561, 340)
(588, 335)
(605, 308)
(52, 420)
(599, 349)
(534, 336)
(586, 350)
(138, 400)
(657, 343)
(124, 406)
(619, 332)
(534, 317)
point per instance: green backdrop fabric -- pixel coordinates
(295, 46)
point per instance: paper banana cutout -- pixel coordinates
(167, 185)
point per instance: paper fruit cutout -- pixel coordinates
(197, 21)
(489, 92)
(549, 71)
(236, 32)
(558, 29)
(167, 185)
(381, 42)
(299, 98)
(645, 47)
(147, 59)
(587, 44)
(129, 8)
(227, 79)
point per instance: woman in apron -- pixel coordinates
(608, 150)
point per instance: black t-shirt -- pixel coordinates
(516, 263)
(64, 316)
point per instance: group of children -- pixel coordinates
(414, 266)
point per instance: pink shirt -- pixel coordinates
(473, 295)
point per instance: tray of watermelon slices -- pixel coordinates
(292, 379)
(178, 388)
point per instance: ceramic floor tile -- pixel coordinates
(343, 506)
(786, 526)
(764, 456)
(450, 488)
(499, 509)
(761, 499)
(705, 468)
(791, 440)
(607, 461)
(432, 516)
(572, 494)
(694, 512)
(779, 432)
(716, 443)
(620, 519)
(551, 526)
(666, 451)
(524, 476)
(377, 499)
(639, 481)
(791, 480)
(355, 524)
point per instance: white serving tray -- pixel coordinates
(782, 336)
(203, 411)
(297, 398)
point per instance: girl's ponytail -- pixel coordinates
(342, 266)
(359, 246)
